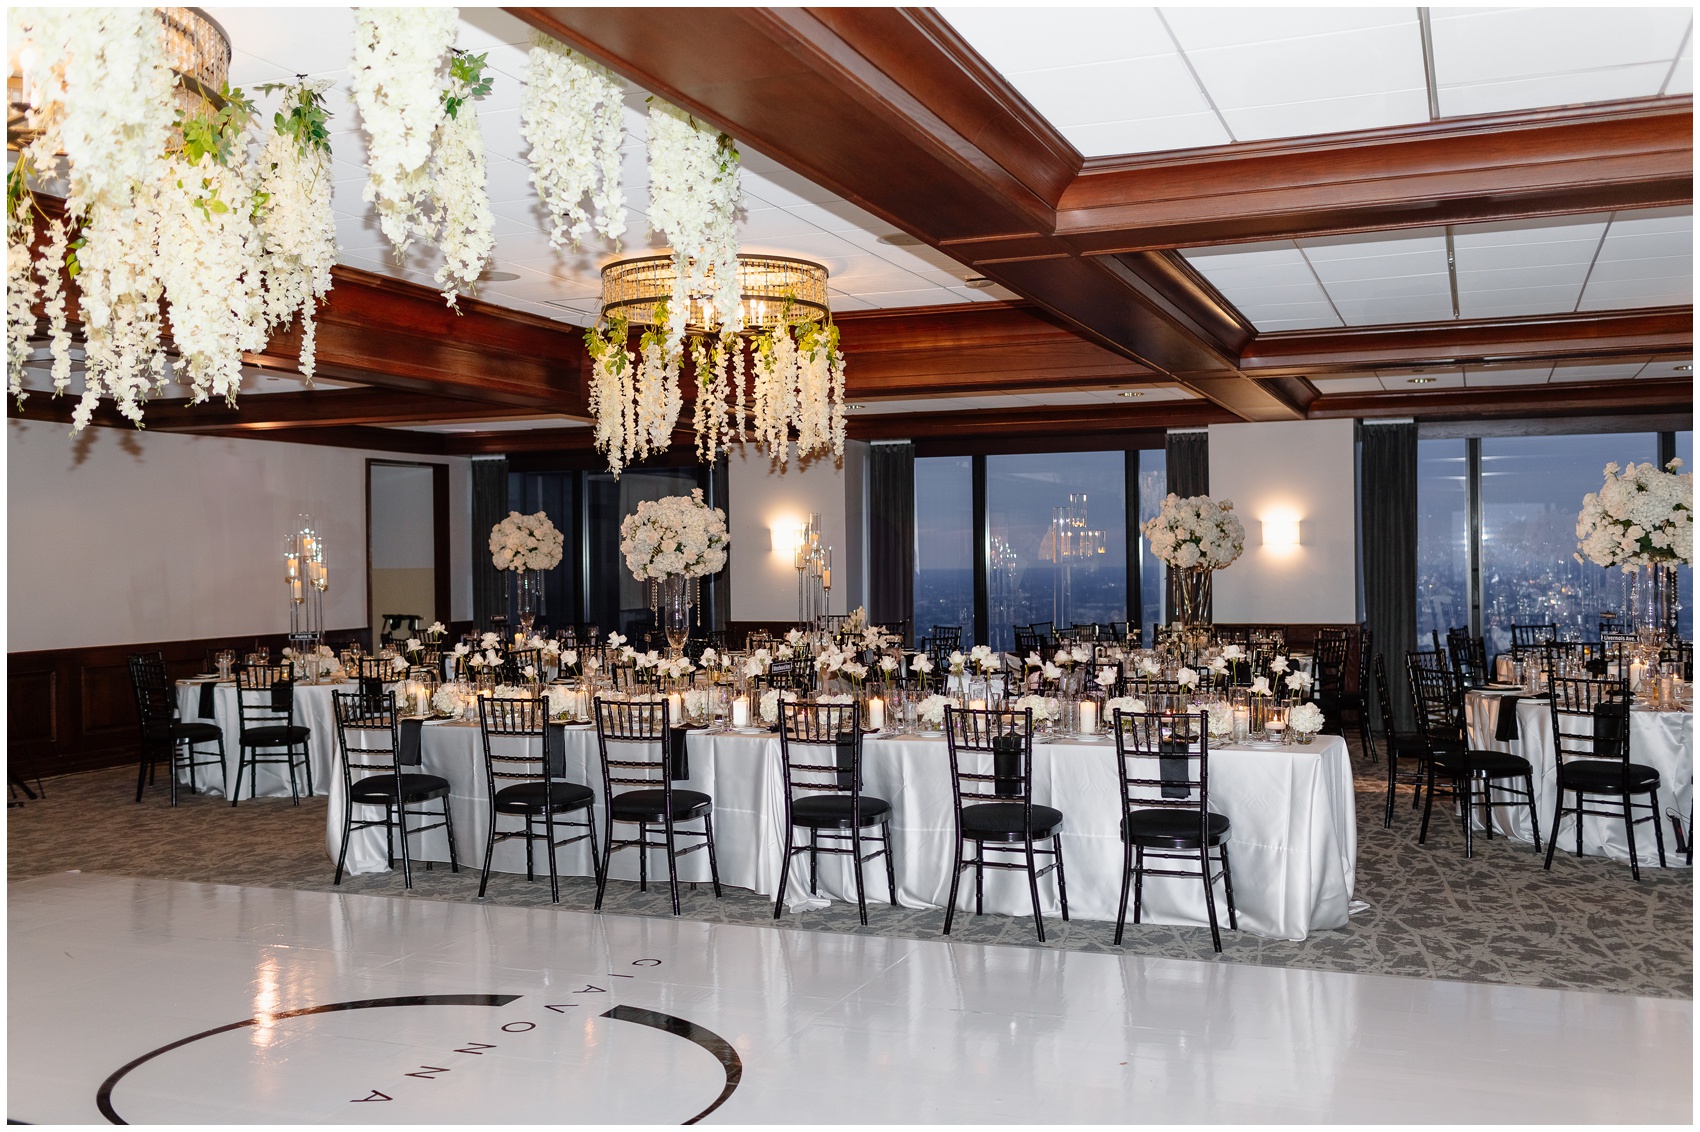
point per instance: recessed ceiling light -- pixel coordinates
(1684, 369)
(1421, 380)
(1130, 393)
(494, 276)
(901, 240)
(855, 406)
(978, 282)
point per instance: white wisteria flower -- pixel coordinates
(676, 536)
(297, 227)
(694, 189)
(1195, 531)
(526, 542)
(461, 221)
(1641, 516)
(396, 76)
(572, 114)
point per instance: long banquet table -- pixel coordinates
(1293, 847)
(1663, 740)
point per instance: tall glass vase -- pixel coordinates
(527, 586)
(1652, 602)
(1192, 595)
(673, 610)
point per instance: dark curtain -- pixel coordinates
(891, 534)
(1188, 471)
(1389, 509)
(489, 507)
(718, 591)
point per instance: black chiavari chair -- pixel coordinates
(636, 742)
(1590, 730)
(375, 776)
(1530, 638)
(991, 777)
(1400, 744)
(163, 736)
(265, 703)
(530, 782)
(820, 749)
(1163, 764)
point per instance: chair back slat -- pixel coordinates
(821, 748)
(1163, 760)
(156, 704)
(635, 739)
(1577, 730)
(265, 695)
(991, 755)
(512, 722)
(1434, 699)
(369, 716)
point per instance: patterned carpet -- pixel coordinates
(1498, 918)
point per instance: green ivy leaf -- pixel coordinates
(467, 81)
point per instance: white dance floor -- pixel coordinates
(147, 1001)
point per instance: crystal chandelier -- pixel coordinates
(196, 47)
(785, 343)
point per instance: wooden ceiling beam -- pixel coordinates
(1557, 399)
(260, 412)
(1061, 420)
(1631, 154)
(398, 335)
(1587, 335)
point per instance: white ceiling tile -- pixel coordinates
(1436, 286)
(1541, 256)
(290, 38)
(1618, 295)
(1355, 384)
(1280, 253)
(1328, 249)
(1024, 39)
(501, 132)
(1160, 86)
(1486, 45)
(773, 223)
(1376, 311)
(1654, 221)
(1306, 68)
(1148, 135)
(1624, 270)
(1519, 301)
(1478, 280)
(783, 188)
(839, 216)
(1271, 326)
(1334, 270)
(1204, 28)
(1328, 115)
(1558, 90)
(484, 29)
(1475, 376)
(1681, 80)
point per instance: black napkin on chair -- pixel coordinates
(283, 695)
(1611, 729)
(409, 752)
(846, 760)
(1006, 765)
(208, 690)
(1171, 767)
(679, 768)
(1506, 729)
(555, 748)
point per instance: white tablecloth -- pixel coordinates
(1663, 740)
(1293, 845)
(313, 710)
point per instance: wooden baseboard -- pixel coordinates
(70, 710)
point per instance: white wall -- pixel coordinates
(761, 498)
(1289, 470)
(122, 536)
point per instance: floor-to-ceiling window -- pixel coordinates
(1056, 529)
(944, 544)
(1512, 501)
(1153, 486)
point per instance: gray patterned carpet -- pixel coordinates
(1498, 918)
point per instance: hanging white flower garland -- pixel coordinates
(693, 200)
(572, 116)
(396, 78)
(298, 228)
(462, 222)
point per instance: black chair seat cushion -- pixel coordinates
(275, 736)
(529, 798)
(832, 811)
(377, 789)
(196, 732)
(1407, 745)
(651, 805)
(1493, 764)
(1170, 829)
(1001, 821)
(1605, 776)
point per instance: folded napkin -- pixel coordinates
(408, 753)
(555, 748)
(679, 769)
(1006, 765)
(208, 690)
(1171, 768)
(1506, 730)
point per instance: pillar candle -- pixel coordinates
(977, 705)
(741, 712)
(876, 714)
(675, 709)
(1637, 672)
(1088, 717)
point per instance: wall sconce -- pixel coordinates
(782, 537)
(1281, 534)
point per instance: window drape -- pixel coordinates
(489, 507)
(1188, 472)
(891, 534)
(1389, 518)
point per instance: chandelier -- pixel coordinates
(772, 290)
(196, 48)
(779, 379)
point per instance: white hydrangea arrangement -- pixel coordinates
(1641, 516)
(526, 542)
(1131, 705)
(1305, 719)
(930, 711)
(1196, 531)
(1038, 705)
(770, 703)
(1220, 720)
(677, 536)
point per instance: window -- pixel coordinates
(1153, 486)
(1056, 525)
(1685, 577)
(1443, 538)
(1532, 488)
(944, 544)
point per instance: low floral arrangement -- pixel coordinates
(320, 662)
(1642, 516)
(526, 542)
(1305, 719)
(1038, 705)
(930, 711)
(1196, 531)
(770, 700)
(1130, 705)
(678, 536)
(1220, 720)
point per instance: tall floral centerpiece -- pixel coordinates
(670, 543)
(1195, 536)
(1642, 520)
(526, 544)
